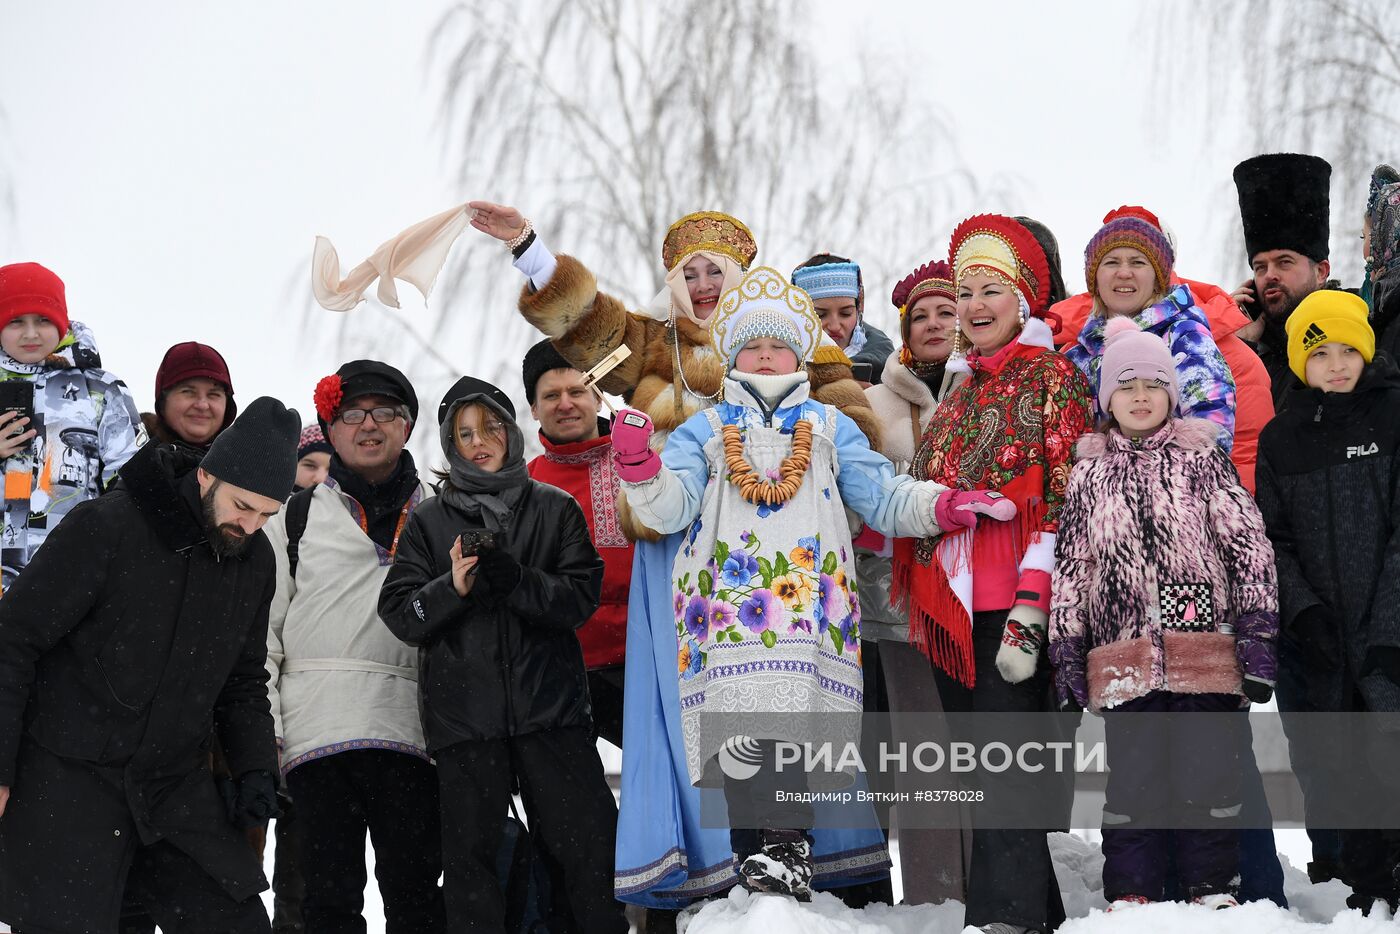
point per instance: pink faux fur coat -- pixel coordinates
(1164, 578)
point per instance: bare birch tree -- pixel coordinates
(606, 120)
(1318, 76)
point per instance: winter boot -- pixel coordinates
(1216, 901)
(1323, 870)
(1128, 901)
(783, 865)
(1382, 909)
(997, 927)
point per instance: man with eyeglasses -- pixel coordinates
(344, 690)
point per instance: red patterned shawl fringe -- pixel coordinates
(939, 624)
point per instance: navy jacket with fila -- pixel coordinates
(1327, 478)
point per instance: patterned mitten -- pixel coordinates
(959, 509)
(1024, 634)
(631, 440)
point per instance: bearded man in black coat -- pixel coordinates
(139, 629)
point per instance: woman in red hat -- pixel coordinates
(194, 397)
(979, 599)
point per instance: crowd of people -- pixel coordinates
(1157, 496)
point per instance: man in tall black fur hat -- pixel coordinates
(1284, 204)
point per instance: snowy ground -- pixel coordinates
(1078, 865)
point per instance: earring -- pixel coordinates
(1021, 308)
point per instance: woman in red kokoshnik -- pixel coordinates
(979, 599)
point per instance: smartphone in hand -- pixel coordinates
(17, 395)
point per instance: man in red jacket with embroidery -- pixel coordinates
(577, 458)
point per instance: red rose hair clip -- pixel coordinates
(328, 396)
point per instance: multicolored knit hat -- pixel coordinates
(311, 441)
(1003, 247)
(764, 304)
(708, 230)
(1328, 316)
(830, 280)
(1134, 227)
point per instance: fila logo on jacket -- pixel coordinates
(1362, 450)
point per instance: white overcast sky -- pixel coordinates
(172, 161)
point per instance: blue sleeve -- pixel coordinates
(1207, 388)
(892, 504)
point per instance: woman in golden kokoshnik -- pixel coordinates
(665, 858)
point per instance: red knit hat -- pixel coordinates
(192, 360)
(30, 289)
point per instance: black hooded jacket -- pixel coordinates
(1329, 490)
(492, 665)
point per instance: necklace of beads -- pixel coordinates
(675, 338)
(761, 490)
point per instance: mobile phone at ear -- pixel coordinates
(862, 371)
(17, 395)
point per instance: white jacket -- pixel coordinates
(338, 678)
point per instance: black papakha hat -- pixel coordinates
(1285, 203)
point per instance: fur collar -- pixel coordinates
(1188, 434)
(901, 381)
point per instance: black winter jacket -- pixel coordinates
(496, 667)
(123, 646)
(1329, 490)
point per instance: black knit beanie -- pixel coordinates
(258, 452)
(539, 360)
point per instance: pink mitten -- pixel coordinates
(631, 437)
(959, 509)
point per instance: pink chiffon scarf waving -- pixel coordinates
(416, 256)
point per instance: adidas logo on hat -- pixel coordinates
(1313, 336)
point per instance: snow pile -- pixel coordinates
(1079, 869)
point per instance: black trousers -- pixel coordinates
(765, 801)
(573, 824)
(288, 886)
(176, 893)
(393, 795)
(1011, 878)
(605, 693)
(1189, 773)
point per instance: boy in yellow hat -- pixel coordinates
(1327, 478)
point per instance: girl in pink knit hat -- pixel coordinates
(1164, 599)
